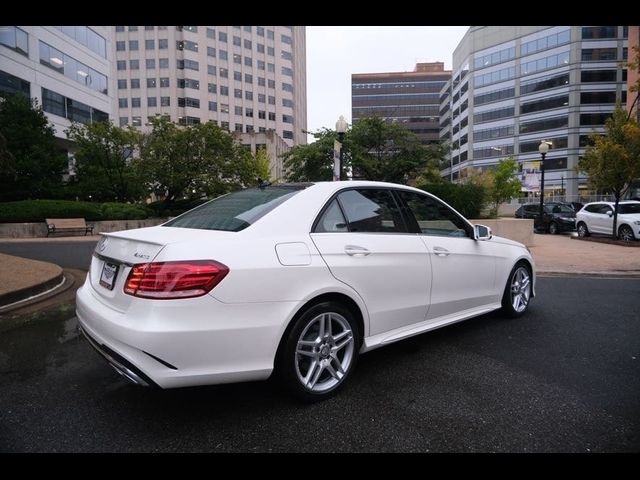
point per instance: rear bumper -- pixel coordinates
(198, 341)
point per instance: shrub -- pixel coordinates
(175, 208)
(468, 199)
(38, 210)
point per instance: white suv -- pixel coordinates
(597, 217)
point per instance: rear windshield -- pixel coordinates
(628, 208)
(235, 211)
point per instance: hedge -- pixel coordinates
(38, 210)
(467, 199)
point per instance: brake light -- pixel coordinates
(182, 279)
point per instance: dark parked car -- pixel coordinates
(557, 217)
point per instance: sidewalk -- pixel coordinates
(21, 278)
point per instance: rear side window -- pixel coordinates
(629, 208)
(235, 211)
(371, 210)
(332, 220)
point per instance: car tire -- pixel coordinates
(553, 228)
(319, 351)
(582, 229)
(625, 233)
(518, 291)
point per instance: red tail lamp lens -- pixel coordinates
(182, 279)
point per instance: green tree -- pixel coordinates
(194, 160)
(373, 149)
(504, 185)
(613, 160)
(385, 151)
(104, 158)
(263, 164)
(313, 162)
(31, 162)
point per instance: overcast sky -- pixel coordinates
(334, 53)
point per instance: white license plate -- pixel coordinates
(108, 275)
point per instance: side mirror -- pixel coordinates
(481, 232)
(610, 213)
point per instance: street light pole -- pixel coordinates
(543, 148)
(341, 128)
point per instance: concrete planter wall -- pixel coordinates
(35, 230)
(518, 229)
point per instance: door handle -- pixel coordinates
(441, 252)
(356, 251)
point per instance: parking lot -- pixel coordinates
(565, 378)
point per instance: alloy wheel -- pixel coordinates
(520, 289)
(625, 233)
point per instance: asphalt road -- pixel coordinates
(74, 254)
(565, 378)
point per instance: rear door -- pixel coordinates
(363, 238)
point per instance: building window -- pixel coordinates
(272, 100)
(261, 81)
(287, 119)
(149, 44)
(222, 36)
(260, 47)
(121, 46)
(133, 28)
(236, 41)
(121, 64)
(164, 82)
(150, 63)
(248, 78)
(287, 71)
(122, 84)
(186, 45)
(124, 121)
(271, 84)
(224, 73)
(212, 88)
(152, 101)
(135, 102)
(272, 116)
(133, 45)
(120, 28)
(224, 90)
(286, 39)
(271, 34)
(211, 69)
(211, 33)
(248, 112)
(149, 28)
(213, 106)
(237, 76)
(237, 93)
(188, 102)
(211, 52)
(260, 31)
(287, 134)
(249, 128)
(599, 32)
(135, 83)
(546, 83)
(163, 63)
(287, 103)
(163, 43)
(544, 43)
(87, 37)
(224, 55)
(165, 101)
(248, 95)
(134, 64)
(286, 55)
(151, 83)
(238, 127)
(587, 119)
(546, 104)
(589, 76)
(261, 65)
(262, 114)
(271, 51)
(224, 108)
(248, 62)
(598, 97)
(136, 121)
(237, 58)
(247, 44)
(546, 124)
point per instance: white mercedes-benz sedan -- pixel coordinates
(294, 280)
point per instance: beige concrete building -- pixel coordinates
(633, 75)
(274, 146)
(245, 78)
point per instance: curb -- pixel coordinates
(614, 275)
(36, 293)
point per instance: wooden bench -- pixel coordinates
(64, 225)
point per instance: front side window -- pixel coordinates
(433, 217)
(371, 210)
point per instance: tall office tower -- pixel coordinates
(245, 78)
(66, 68)
(411, 99)
(515, 86)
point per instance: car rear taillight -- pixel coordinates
(182, 279)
